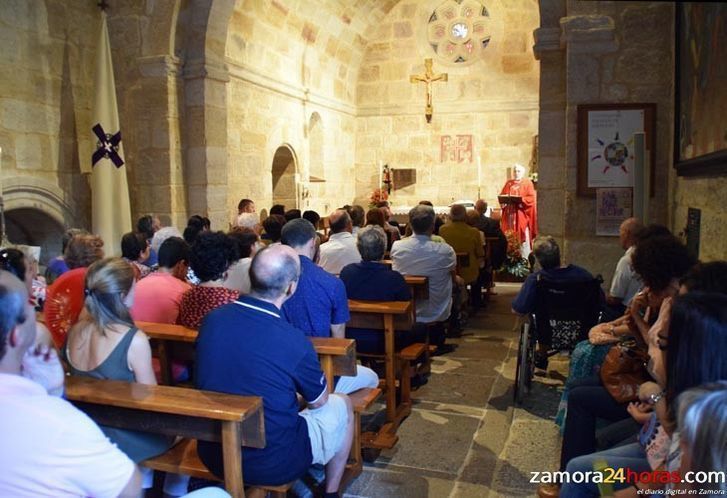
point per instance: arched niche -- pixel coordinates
(34, 227)
(284, 169)
(317, 171)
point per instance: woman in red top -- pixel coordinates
(212, 254)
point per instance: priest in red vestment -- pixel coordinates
(520, 218)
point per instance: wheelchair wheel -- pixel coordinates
(524, 369)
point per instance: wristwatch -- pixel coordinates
(654, 398)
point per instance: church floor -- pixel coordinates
(464, 437)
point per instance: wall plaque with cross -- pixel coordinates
(428, 77)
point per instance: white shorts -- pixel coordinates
(365, 377)
(326, 428)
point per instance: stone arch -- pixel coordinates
(37, 214)
(34, 227)
(317, 169)
(285, 172)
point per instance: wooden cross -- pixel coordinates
(428, 77)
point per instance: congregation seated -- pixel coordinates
(358, 218)
(419, 255)
(105, 344)
(660, 261)
(249, 221)
(547, 253)
(390, 225)
(319, 306)
(702, 430)
(438, 220)
(65, 297)
(135, 250)
(163, 234)
(238, 275)
(57, 266)
(16, 262)
(49, 447)
(340, 249)
(695, 328)
(159, 296)
(147, 226)
(375, 216)
(465, 239)
(210, 258)
(245, 206)
(195, 226)
(272, 225)
(491, 229)
(371, 280)
(247, 348)
(292, 214)
(277, 209)
(625, 282)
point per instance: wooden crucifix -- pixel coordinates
(428, 77)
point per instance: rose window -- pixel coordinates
(458, 30)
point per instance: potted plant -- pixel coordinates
(515, 268)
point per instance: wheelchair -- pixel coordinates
(564, 313)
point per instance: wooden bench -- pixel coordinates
(337, 358)
(389, 316)
(234, 421)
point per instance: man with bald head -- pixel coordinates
(625, 283)
(49, 448)
(247, 348)
(340, 250)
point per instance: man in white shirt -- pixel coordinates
(418, 255)
(49, 448)
(340, 250)
(625, 283)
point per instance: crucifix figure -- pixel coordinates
(428, 77)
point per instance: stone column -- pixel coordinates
(159, 179)
(588, 39)
(205, 118)
(551, 127)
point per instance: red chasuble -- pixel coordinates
(525, 213)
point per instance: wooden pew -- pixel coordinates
(234, 421)
(388, 316)
(337, 358)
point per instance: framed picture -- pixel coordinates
(606, 146)
(700, 109)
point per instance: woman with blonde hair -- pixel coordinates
(105, 344)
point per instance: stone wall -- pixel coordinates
(45, 104)
(289, 62)
(493, 99)
(705, 194)
(609, 52)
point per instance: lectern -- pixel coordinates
(510, 204)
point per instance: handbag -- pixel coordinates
(624, 370)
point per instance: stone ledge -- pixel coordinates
(159, 66)
(546, 40)
(588, 34)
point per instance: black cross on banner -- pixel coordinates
(107, 146)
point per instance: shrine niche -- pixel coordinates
(456, 149)
(404, 177)
(284, 171)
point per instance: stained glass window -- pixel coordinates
(458, 30)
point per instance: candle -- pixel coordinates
(479, 171)
(381, 172)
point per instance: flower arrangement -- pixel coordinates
(378, 195)
(515, 264)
